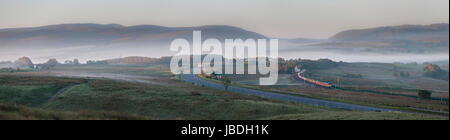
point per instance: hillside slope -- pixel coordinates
(11, 112)
(100, 34)
(394, 39)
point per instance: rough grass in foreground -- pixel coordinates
(12, 112)
(30, 95)
(170, 103)
(354, 115)
(176, 100)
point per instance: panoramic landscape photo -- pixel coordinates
(224, 60)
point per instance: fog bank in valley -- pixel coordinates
(85, 53)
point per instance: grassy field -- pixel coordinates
(184, 101)
(31, 90)
(65, 92)
(379, 77)
(350, 115)
(155, 70)
(14, 112)
(377, 86)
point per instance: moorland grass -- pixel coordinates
(170, 102)
(353, 115)
(17, 112)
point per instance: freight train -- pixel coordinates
(311, 81)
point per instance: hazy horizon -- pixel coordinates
(280, 18)
(318, 19)
(226, 25)
(98, 53)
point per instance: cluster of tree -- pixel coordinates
(434, 71)
(352, 76)
(21, 63)
(288, 66)
(133, 60)
(93, 62)
(24, 62)
(424, 94)
(49, 64)
(9, 70)
(397, 73)
(70, 62)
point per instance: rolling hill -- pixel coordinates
(99, 34)
(108, 41)
(399, 39)
(103, 41)
(437, 32)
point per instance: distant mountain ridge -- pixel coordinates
(393, 39)
(88, 41)
(101, 34)
(394, 32)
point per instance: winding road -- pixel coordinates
(284, 97)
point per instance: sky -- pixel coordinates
(273, 18)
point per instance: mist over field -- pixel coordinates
(406, 43)
(367, 57)
(195, 60)
(85, 53)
